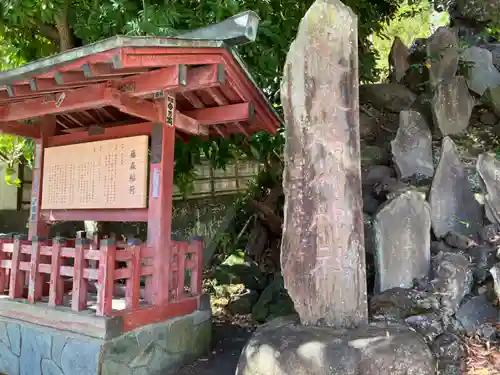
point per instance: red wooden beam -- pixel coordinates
(21, 130)
(115, 132)
(224, 114)
(69, 101)
(189, 125)
(134, 106)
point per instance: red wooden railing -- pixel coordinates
(54, 268)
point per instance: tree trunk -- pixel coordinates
(66, 40)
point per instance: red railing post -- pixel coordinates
(133, 283)
(182, 248)
(56, 284)
(80, 286)
(106, 277)
(3, 271)
(16, 278)
(35, 278)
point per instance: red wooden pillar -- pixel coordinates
(37, 226)
(160, 200)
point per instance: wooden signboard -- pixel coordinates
(96, 175)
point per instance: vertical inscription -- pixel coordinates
(170, 111)
(131, 173)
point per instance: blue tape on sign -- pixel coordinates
(34, 209)
(156, 183)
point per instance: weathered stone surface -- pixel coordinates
(450, 353)
(402, 235)
(243, 303)
(322, 254)
(387, 96)
(476, 312)
(453, 205)
(452, 281)
(35, 346)
(412, 146)
(50, 368)
(398, 60)
(375, 173)
(429, 326)
(273, 302)
(452, 106)
(488, 168)
(481, 73)
(376, 349)
(9, 362)
(492, 96)
(80, 357)
(14, 334)
(4, 336)
(58, 343)
(443, 55)
(395, 304)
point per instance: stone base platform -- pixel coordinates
(27, 348)
(284, 347)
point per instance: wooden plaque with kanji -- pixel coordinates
(96, 175)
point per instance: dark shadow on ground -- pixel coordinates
(230, 334)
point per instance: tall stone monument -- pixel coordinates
(322, 253)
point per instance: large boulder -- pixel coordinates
(488, 167)
(398, 60)
(481, 73)
(387, 96)
(287, 348)
(442, 55)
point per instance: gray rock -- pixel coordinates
(412, 146)
(387, 96)
(58, 343)
(492, 97)
(476, 312)
(4, 336)
(373, 155)
(376, 349)
(398, 60)
(452, 106)
(488, 168)
(481, 73)
(50, 368)
(243, 303)
(9, 362)
(450, 354)
(322, 242)
(452, 281)
(454, 207)
(495, 273)
(488, 118)
(439, 246)
(395, 304)
(370, 175)
(429, 326)
(459, 241)
(490, 233)
(443, 55)
(111, 368)
(367, 124)
(14, 334)
(80, 357)
(273, 302)
(402, 236)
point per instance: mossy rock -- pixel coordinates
(274, 302)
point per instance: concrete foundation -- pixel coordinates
(161, 348)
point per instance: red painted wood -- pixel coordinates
(37, 225)
(56, 283)
(143, 128)
(16, 277)
(181, 270)
(157, 60)
(106, 277)
(118, 215)
(80, 285)
(133, 283)
(160, 211)
(3, 270)
(134, 106)
(35, 279)
(154, 314)
(21, 130)
(222, 115)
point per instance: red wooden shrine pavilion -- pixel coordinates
(119, 88)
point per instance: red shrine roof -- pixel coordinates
(114, 81)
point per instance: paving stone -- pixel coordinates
(35, 346)
(58, 343)
(4, 336)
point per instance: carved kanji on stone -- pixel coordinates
(322, 254)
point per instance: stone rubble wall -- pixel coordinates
(27, 349)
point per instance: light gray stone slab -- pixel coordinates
(80, 357)
(4, 336)
(402, 236)
(454, 207)
(14, 334)
(398, 60)
(488, 168)
(50, 368)
(412, 146)
(35, 346)
(443, 55)
(58, 343)
(9, 362)
(481, 73)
